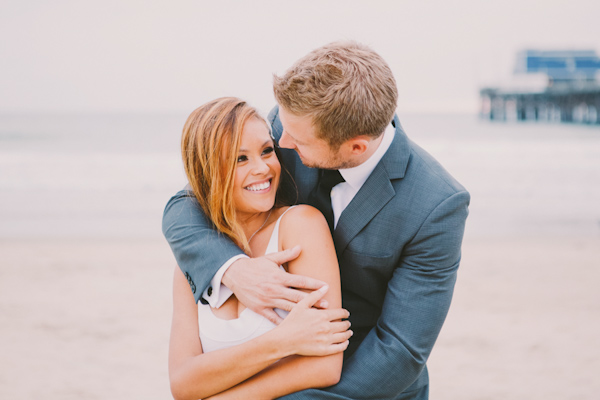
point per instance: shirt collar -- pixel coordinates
(357, 176)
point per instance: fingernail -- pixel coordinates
(324, 288)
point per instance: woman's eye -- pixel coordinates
(242, 158)
(268, 150)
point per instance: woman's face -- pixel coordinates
(258, 170)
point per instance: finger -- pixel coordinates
(322, 304)
(302, 282)
(337, 313)
(293, 295)
(342, 336)
(283, 304)
(284, 256)
(340, 326)
(336, 348)
(271, 315)
(313, 297)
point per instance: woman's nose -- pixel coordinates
(260, 167)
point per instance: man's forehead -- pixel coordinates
(299, 128)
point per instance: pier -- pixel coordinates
(554, 86)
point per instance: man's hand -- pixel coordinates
(261, 285)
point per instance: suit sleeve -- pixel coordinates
(394, 353)
(200, 250)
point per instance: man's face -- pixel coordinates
(299, 134)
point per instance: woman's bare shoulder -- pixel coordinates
(302, 220)
(303, 213)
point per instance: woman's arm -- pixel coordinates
(305, 226)
(196, 375)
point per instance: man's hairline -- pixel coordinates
(332, 146)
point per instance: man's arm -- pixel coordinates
(200, 251)
(394, 353)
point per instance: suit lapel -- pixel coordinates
(375, 193)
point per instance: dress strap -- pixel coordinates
(273, 245)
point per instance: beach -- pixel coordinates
(85, 275)
(90, 320)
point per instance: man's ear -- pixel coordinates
(358, 145)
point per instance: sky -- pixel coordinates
(150, 56)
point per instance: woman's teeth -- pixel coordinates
(260, 186)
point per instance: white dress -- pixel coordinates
(217, 333)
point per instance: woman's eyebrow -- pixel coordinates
(262, 145)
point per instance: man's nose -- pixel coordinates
(285, 141)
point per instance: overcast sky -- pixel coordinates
(149, 56)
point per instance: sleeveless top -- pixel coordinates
(217, 333)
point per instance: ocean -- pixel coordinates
(110, 175)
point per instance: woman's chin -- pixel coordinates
(265, 207)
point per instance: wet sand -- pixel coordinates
(89, 319)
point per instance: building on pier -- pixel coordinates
(557, 86)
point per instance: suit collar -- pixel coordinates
(375, 193)
(395, 160)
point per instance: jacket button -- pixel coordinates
(191, 282)
(209, 291)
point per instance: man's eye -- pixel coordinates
(242, 159)
(268, 150)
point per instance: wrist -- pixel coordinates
(278, 343)
(228, 278)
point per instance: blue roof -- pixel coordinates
(559, 64)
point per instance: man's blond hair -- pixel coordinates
(345, 87)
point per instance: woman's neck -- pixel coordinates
(252, 223)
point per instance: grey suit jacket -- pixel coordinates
(398, 244)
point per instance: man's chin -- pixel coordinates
(327, 165)
(308, 163)
(331, 163)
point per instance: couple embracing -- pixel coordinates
(325, 205)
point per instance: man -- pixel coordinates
(397, 218)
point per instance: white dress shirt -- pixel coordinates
(341, 195)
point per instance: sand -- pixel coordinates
(89, 319)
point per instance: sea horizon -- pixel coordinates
(107, 175)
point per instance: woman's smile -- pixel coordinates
(262, 187)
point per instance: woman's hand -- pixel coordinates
(308, 331)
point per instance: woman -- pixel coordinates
(231, 352)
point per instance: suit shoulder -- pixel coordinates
(433, 177)
(273, 114)
(273, 120)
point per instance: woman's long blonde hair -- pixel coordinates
(209, 146)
